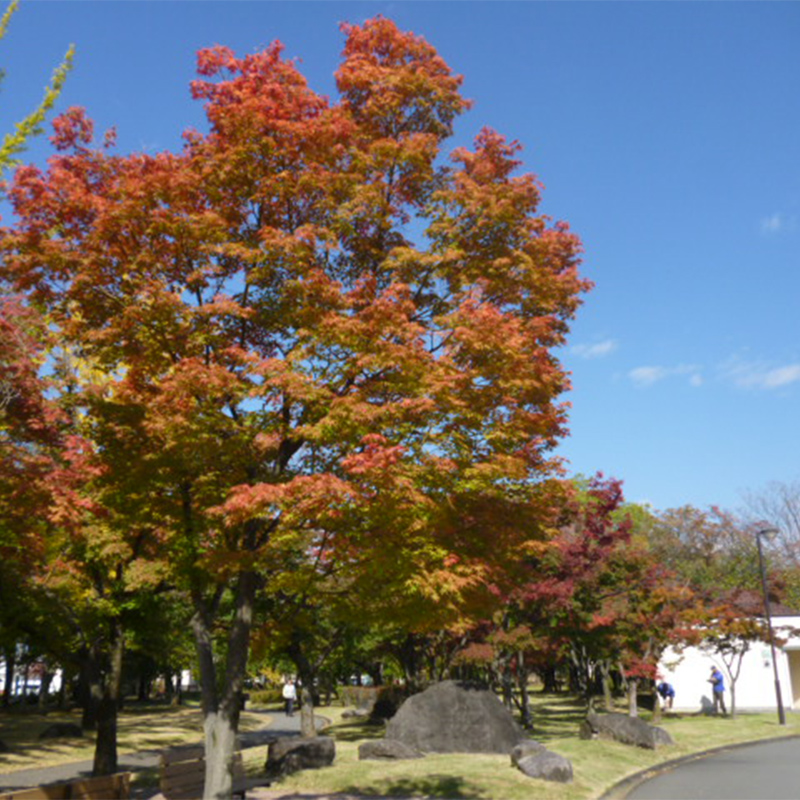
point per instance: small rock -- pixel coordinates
(547, 766)
(285, 756)
(525, 749)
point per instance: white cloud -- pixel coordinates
(759, 375)
(598, 350)
(647, 376)
(777, 223)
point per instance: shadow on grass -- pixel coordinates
(359, 731)
(449, 786)
(557, 717)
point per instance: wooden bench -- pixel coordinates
(103, 787)
(182, 774)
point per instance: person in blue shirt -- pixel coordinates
(667, 693)
(718, 689)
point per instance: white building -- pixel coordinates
(689, 671)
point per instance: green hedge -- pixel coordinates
(265, 697)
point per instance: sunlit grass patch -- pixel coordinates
(148, 728)
(597, 764)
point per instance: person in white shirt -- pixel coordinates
(289, 696)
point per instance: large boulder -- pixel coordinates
(386, 750)
(455, 717)
(286, 755)
(625, 729)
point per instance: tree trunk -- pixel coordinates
(606, 679)
(507, 684)
(307, 728)
(549, 682)
(44, 688)
(221, 708)
(524, 697)
(657, 711)
(10, 654)
(633, 706)
(220, 740)
(177, 698)
(105, 752)
(90, 691)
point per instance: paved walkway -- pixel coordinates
(763, 771)
(279, 725)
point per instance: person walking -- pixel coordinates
(718, 689)
(289, 696)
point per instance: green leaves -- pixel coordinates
(14, 143)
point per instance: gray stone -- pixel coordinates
(525, 749)
(356, 713)
(285, 756)
(547, 766)
(624, 729)
(386, 750)
(455, 717)
(61, 730)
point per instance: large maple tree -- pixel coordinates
(319, 353)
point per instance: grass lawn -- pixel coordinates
(597, 764)
(138, 728)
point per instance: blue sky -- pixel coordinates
(667, 134)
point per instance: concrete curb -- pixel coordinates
(620, 790)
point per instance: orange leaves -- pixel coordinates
(376, 456)
(71, 129)
(493, 159)
(304, 498)
(395, 81)
(284, 379)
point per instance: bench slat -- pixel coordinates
(103, 787)
(177, 754)
(183, 773)
(58, 791)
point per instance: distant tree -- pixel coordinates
(712, 550)
(601, 592)
(728, 634)
(778, 504)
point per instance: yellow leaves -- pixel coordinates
(142, 574)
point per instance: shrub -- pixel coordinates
(358, 696)
(265, 697)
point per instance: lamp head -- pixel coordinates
(767, 533)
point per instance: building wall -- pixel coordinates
(755, 687)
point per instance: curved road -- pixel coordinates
(765, 771)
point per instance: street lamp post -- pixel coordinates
(770, 532)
